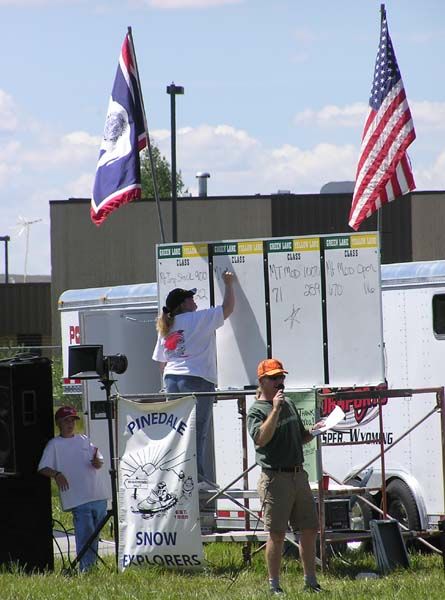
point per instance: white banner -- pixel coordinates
(158, 494)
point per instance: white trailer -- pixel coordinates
(413, 297)
(122, 319)
(413, 300)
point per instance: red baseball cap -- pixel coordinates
(66, 411)
(270, 367)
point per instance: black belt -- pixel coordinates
(294, 469)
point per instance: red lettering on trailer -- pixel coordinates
(360, 406)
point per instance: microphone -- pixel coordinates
(280, 387)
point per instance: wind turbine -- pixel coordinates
(24, 225)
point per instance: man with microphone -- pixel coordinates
(278, 433)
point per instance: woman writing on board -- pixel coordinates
(186, 349)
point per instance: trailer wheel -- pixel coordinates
(402, 504)
(361, 513)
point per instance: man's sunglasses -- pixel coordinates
(276, 377)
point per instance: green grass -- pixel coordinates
(225, 577)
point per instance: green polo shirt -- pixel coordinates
(285, 449)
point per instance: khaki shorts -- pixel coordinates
(287, 498)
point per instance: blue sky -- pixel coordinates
(275, 94)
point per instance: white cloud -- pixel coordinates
(330, 115)
(9, 151)
(59, 167)
(426, 115)
(82, 138)
(8, 113)
(36, 165)
(301, 171)
(239, 164)
(433, 176)
(8, 172)
(9, 161)
(159, 135)
(80, 187)
(4, 173)
(226, 147)
(73, 148)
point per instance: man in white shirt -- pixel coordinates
(73, 462)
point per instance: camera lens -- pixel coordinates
(118, 363)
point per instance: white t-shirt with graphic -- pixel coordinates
(190, 346)
(72, 456)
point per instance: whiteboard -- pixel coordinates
(313, 302)
(184, 266)
(354, 311)
(295, 300)
(242, 341)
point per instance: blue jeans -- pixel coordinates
(86, 518)
(188, 384)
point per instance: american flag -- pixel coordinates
(118, 173)
(384, 170)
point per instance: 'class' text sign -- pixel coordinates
(295, 308)
(184, 266)
(242, 341)
(354, 309)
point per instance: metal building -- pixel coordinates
(25, 314)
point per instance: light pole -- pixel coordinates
(174, 90)
(6, 238)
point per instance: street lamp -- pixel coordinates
(6, 238)
(174, 90)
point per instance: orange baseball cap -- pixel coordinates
(270, 367)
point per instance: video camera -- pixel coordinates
(89, 362)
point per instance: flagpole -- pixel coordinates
(384, 171)
(379, 211)
(150, 154)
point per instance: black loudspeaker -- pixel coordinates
(388, 545)
(26, 425)
(85, 362)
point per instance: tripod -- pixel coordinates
(106, 382)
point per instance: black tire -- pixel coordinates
(361, 514)
(402, 505)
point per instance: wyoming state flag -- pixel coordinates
(118, 173)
